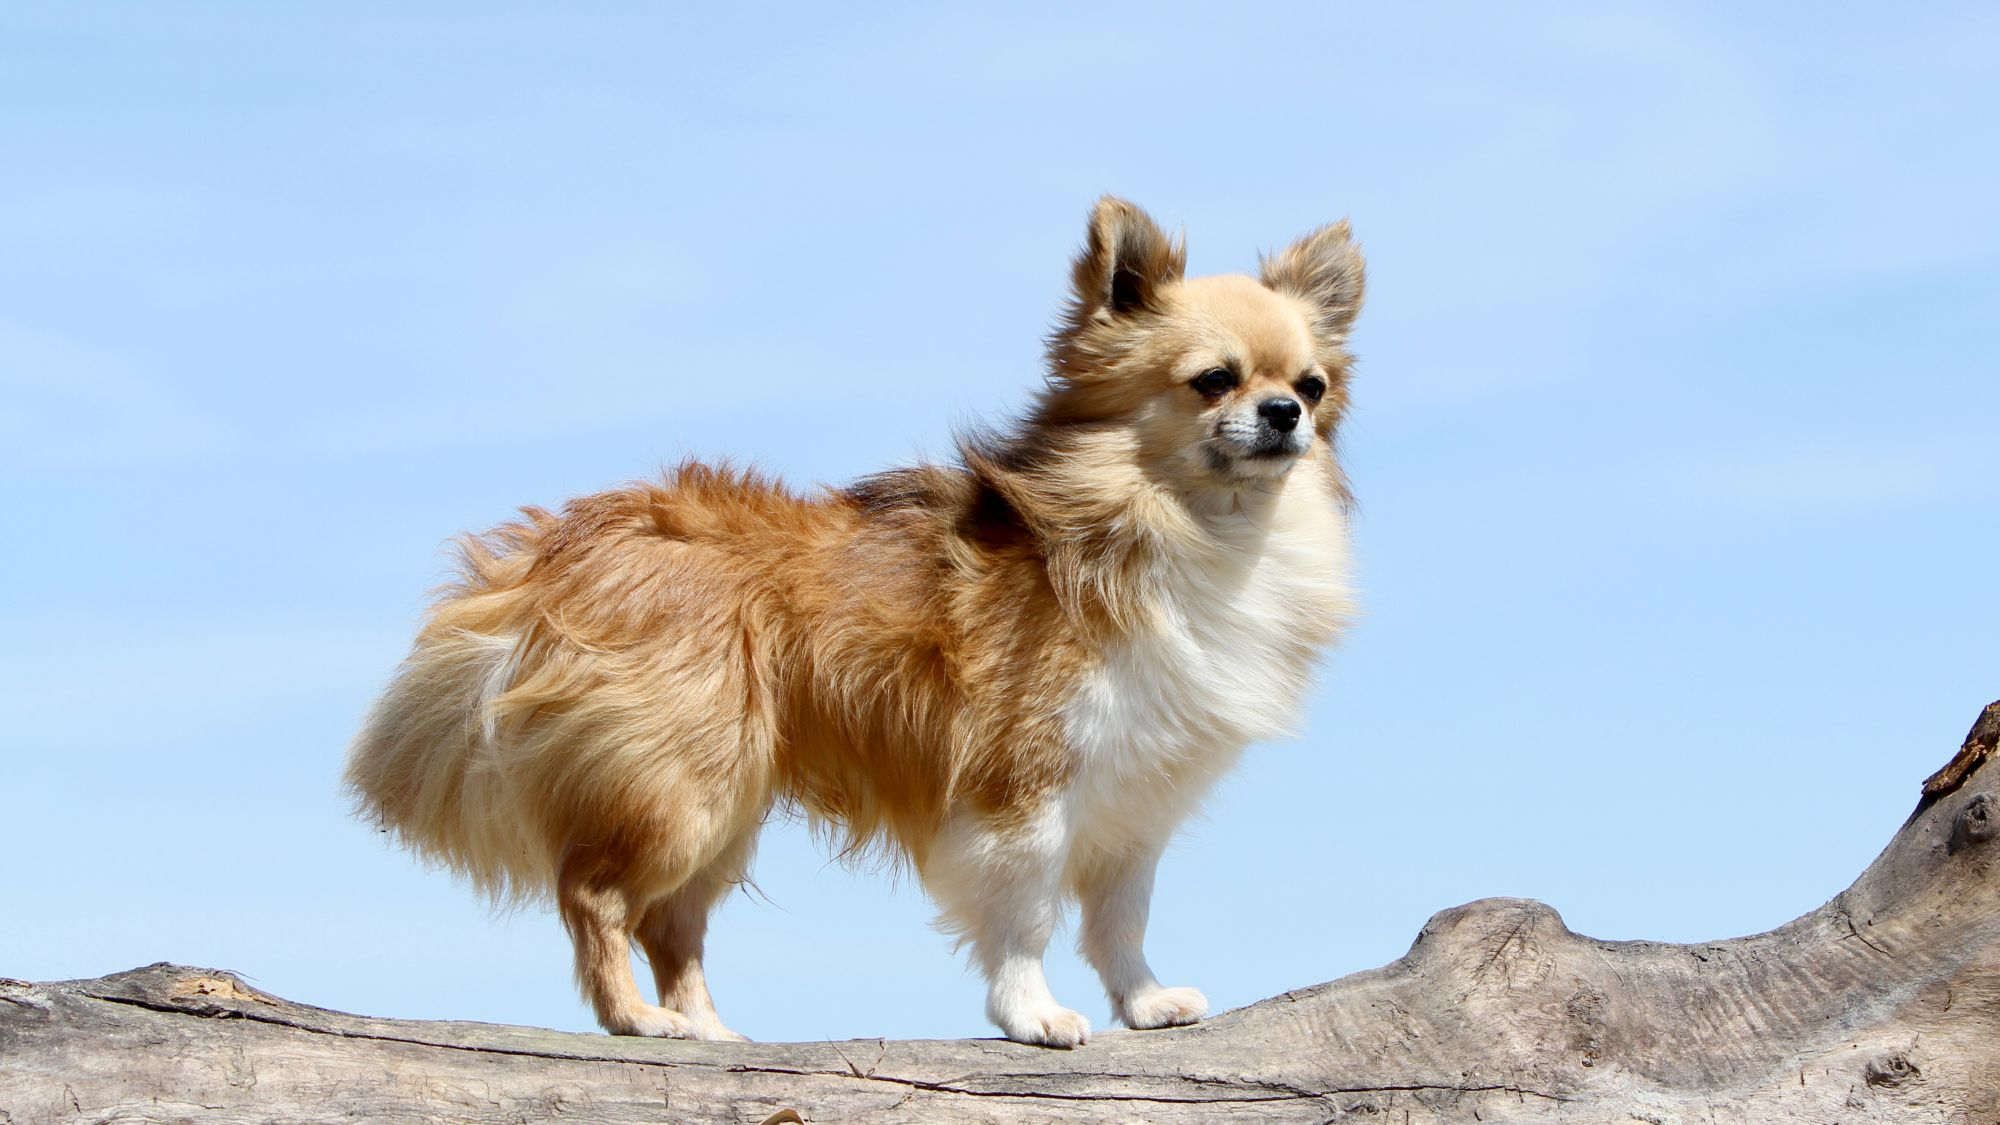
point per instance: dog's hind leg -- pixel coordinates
(607, 889)
(598, 913)
(672, 930)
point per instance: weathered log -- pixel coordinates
(1881, 1006)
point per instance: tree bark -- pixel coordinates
(1881, 1006)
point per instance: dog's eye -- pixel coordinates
(1214, 382)
(1311, 387)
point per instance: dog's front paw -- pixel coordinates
(1162, 1007)
(716, 1033)
(1053, 1026)
(660, 1023)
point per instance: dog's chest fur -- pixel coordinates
(1233, 636)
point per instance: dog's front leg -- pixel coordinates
(1116, 889)
(998, 879)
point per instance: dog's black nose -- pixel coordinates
(1281, 413)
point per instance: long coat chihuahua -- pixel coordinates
(1017, 673)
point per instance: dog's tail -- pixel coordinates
(427, 765)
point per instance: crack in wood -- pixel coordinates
(276, 1021)
(1264, 1091)
(1856, 931)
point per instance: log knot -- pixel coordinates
(1891, 1070)
(1974, 824)
(1585, 1013)
(1492, 947)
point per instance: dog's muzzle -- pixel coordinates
(1261, 441)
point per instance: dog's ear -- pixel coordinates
(1326, 269)
(1124, 263)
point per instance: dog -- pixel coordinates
(1017, 673)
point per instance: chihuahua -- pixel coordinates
(1016, 673)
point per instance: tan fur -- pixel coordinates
(607, 705)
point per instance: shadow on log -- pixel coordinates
(1881, 1006)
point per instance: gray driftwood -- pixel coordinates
(1881, 1006)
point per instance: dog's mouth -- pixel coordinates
(1269, 454)
(1282, 450)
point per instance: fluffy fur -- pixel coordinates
(1018, 673)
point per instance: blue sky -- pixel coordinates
(1674, 436)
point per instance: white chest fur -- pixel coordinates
(1227, 656)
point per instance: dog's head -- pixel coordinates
(1227, 381)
